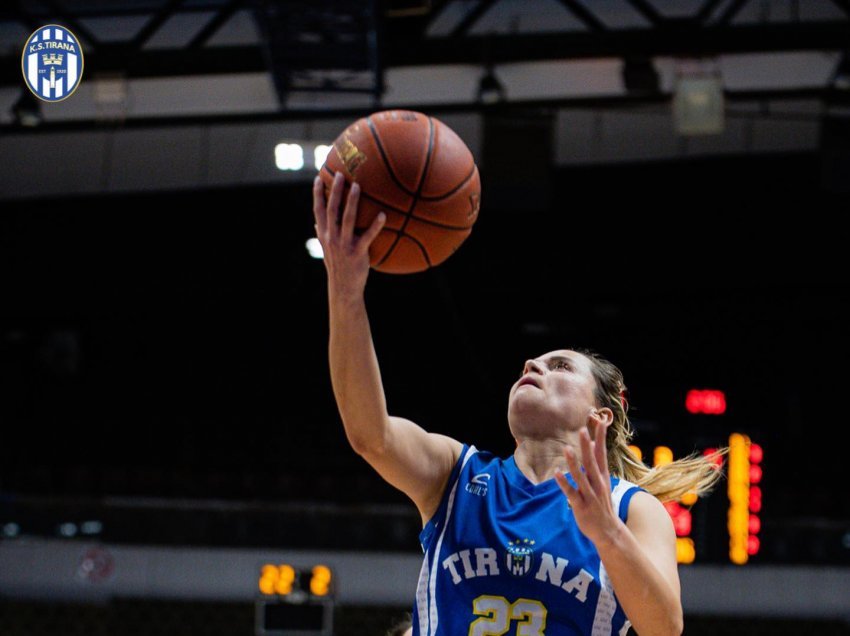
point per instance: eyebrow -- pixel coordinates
(557, 358)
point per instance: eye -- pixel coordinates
(561, 364)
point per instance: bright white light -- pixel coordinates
(68, 529)
(315, 248)
(91, 527)
(289, 156)
(320, 154)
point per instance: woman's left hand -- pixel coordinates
(590, 500)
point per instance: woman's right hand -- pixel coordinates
(346, 255)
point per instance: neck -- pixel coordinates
(541, 459)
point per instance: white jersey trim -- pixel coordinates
(422, 597)
(433, 617)
(606, 606)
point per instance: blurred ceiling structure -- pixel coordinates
(200, 76)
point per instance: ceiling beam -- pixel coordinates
(349, 112)
(581, 13)
(683, 40)
(224, 14)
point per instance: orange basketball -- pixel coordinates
(416, 170)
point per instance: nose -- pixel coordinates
(532, 366)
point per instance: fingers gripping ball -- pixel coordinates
(421, 174)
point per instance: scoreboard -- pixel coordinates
(743, 492)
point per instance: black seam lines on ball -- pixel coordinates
(392, 208)
(431, 133)
(385, 158)
(453, 190)
(418, 219)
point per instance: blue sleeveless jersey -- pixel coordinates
(505, 556)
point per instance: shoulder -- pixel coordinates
(622, 492)
(646, 512)
(479, 464)
(469, 454)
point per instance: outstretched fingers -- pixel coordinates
(590, 459)
(345, 246)
(582, 472)
(582, 488)
(320, 213)
(333, 212)
(601, 450)
(566, 486)
(349, 214)
(373, 230)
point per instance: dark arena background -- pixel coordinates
(666, 183)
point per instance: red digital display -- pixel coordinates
(705, 402)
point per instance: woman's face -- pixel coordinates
(555, 390)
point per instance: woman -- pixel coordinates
(545, 542)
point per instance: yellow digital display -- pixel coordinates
(679, 511)
(743, 521)
(739, 497)
(287, 580)
(320, 581)
(685, 551)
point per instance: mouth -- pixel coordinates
(527, 381)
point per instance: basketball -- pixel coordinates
(421, 174)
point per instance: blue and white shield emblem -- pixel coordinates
(519, 556)
(52, 63)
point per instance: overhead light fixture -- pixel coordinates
(111, 97)
(490, 89)
(11, 530)
(698, 103)
(320, 153)
(289, 156)
(27, 110)
(640, 76)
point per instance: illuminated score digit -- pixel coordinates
(320, 580)
(268, 578)
(705, 401)
(286, 580)
(681, 515)
(745, 473)
(276, 579)
(754, 522)
(662, 455)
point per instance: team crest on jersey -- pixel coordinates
(519, 556)
(52, 63)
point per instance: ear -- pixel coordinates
(604, 416)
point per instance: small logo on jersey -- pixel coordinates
(52, 63)
(519, 556)
(478, 484)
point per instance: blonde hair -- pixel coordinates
(401, 628)
(692, 474)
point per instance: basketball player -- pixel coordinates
(556, 539)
